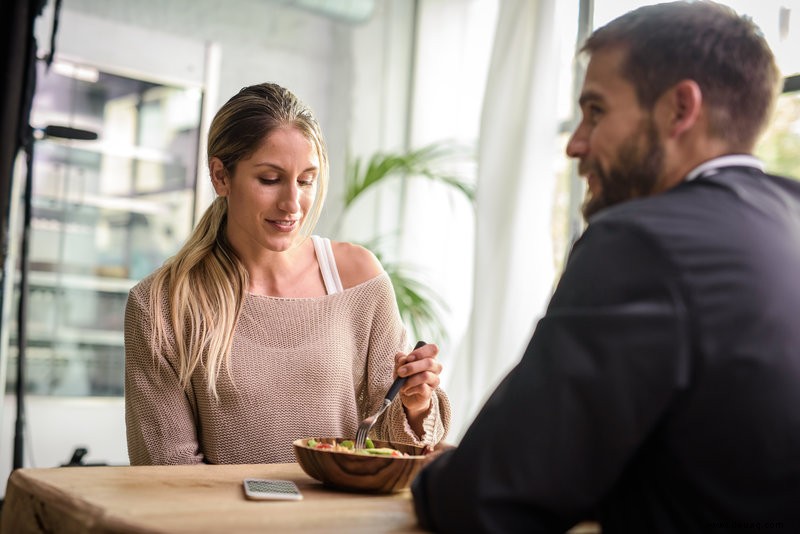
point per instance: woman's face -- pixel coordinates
(270, 193)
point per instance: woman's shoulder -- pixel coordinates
(142, 289)
(356, 264)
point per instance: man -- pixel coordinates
(661, 390)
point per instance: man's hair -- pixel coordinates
(724, 53)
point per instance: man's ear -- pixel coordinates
(219, 176)
(686, 102)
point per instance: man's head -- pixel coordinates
(669, 84)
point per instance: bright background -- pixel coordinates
(382, 75)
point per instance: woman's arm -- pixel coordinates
(420, 413)
(159, 418)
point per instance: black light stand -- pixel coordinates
(62, 132)
(26, 140)
(22, 306)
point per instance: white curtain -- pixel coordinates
(513, 267)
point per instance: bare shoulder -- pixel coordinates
(356, 264)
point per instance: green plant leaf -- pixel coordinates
(415, 301)
(418, 304)
(422, 162)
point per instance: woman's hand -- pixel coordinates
(422, 370)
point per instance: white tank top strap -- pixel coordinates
(327, 264)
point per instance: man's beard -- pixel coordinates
(635, 173)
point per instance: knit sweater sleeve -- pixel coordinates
(159, 418)
(387, 337)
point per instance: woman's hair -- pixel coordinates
(726, 55)
(205, 282)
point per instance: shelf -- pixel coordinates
(114, 203)
(61, 354)
(105, 148)
(78, 281)
(83, 336)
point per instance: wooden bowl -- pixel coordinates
(365, 473)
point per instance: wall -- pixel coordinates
(258, 41)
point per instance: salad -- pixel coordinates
(348, 445)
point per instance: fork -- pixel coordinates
(366, 425)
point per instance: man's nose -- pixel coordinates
(577, 144)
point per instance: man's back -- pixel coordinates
(660, 391)
(728, 444)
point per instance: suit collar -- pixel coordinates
(712, 166)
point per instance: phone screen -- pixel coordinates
(265, 489)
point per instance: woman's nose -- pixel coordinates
(290, 198)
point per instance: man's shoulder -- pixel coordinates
(732, 213)
(655, 214)
(717, 199)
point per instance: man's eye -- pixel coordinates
(594, 113)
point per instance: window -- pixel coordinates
(779, 147)
(105, 213)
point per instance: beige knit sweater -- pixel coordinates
(301, 367)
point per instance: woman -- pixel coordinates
(254, 335)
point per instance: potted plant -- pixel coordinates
(417, 302)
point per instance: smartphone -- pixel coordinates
(264, 489)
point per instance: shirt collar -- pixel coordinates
(712, 166)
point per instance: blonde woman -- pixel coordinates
(257, 333)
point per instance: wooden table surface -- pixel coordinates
(196, 499)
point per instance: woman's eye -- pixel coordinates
(268, 181)
(306, 181)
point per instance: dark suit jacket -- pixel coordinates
(661, 390)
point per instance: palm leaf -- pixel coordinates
(415, 301)
(419, 306)
(422, 162)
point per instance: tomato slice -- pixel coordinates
(323, 446)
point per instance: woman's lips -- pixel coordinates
(282, 225)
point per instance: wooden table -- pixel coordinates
(199, 498)
(196, 499)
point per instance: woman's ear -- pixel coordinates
(686, 103)
(219, 176)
